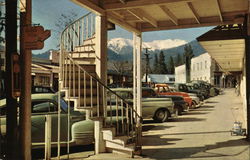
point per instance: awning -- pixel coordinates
(225, 44)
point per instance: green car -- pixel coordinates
(81, 130)
(160, 109)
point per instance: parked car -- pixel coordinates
(189, 89)
(160, 109)
(164, 89)
(179, 103)
(81, 130)
(42, 89)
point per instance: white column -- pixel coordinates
(137, 82)
(101, 71)
(137, 73)
(101, 47)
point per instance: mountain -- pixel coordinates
(44, 55)
(124, 46)
(121, 49)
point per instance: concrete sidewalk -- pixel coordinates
(201, 134)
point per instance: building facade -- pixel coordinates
(203, 67)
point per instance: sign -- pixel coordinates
(34, 37)
(16, 83)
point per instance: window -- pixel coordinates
(43, 107)
(205, 64)
(197, 66)
(193, 67)
(201, 65)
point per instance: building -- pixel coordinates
(180, 74)
(203, 67)
(159, 78)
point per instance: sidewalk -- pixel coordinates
(201, 134)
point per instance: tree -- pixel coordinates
(162, 65)
(171, 65)
(188, 55)
(156, 65)
(178, 60)
(63, 21)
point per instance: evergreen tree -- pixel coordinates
(178, 60)
(162, 65)
(171, 65)
(156, 65)
(188, 55)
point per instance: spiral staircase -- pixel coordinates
(86, 92)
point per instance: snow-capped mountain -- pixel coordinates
(123, 46)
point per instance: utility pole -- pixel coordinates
(147, 63)
(25, 99)
(11, 102)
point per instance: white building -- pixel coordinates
(203, 67)
(159, 78)
(180, 74)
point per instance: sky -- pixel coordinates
(47, 12)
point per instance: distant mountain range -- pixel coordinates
(120, 49)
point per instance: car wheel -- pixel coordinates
(177, 110)
(193, 105)
(161, 115)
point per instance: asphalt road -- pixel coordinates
(202, 133)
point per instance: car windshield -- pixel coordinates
(64, 105)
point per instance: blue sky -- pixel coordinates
(46, 13)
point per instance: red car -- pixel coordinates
(163, 89)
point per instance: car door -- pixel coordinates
(40, 109)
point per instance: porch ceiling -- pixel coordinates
(152, 15)
(226, 44)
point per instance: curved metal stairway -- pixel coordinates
(86, 92)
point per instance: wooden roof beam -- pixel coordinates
(169, 14)
(140, 14)
(195, 14)
(116, 20)
(90, 6)
(218, 6)
(123, 1)
(139, 3)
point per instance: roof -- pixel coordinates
(160, 78)
(153, 15)
(226, 45)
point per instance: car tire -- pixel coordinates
(161, 115)
(178, 110)
(193, 105)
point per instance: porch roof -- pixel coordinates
(226, 44)
(153, 15)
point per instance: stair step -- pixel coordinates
(87, 68)
(80, 62)
(83, 55)
(71, 84)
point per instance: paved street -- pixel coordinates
(202, 133)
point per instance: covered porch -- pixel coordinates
(140, 16)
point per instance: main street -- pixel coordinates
(202, 133)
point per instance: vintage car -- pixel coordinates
(160, 109)
(81, 131)
(179, 103)
(189, 89)
(164, 89)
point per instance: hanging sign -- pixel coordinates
(35, 36)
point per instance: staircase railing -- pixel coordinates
(89, 92)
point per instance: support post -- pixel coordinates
(247, 67)
(11, 103)
(101, 71)
(25, 99)
(137, 82)
(99, 142)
